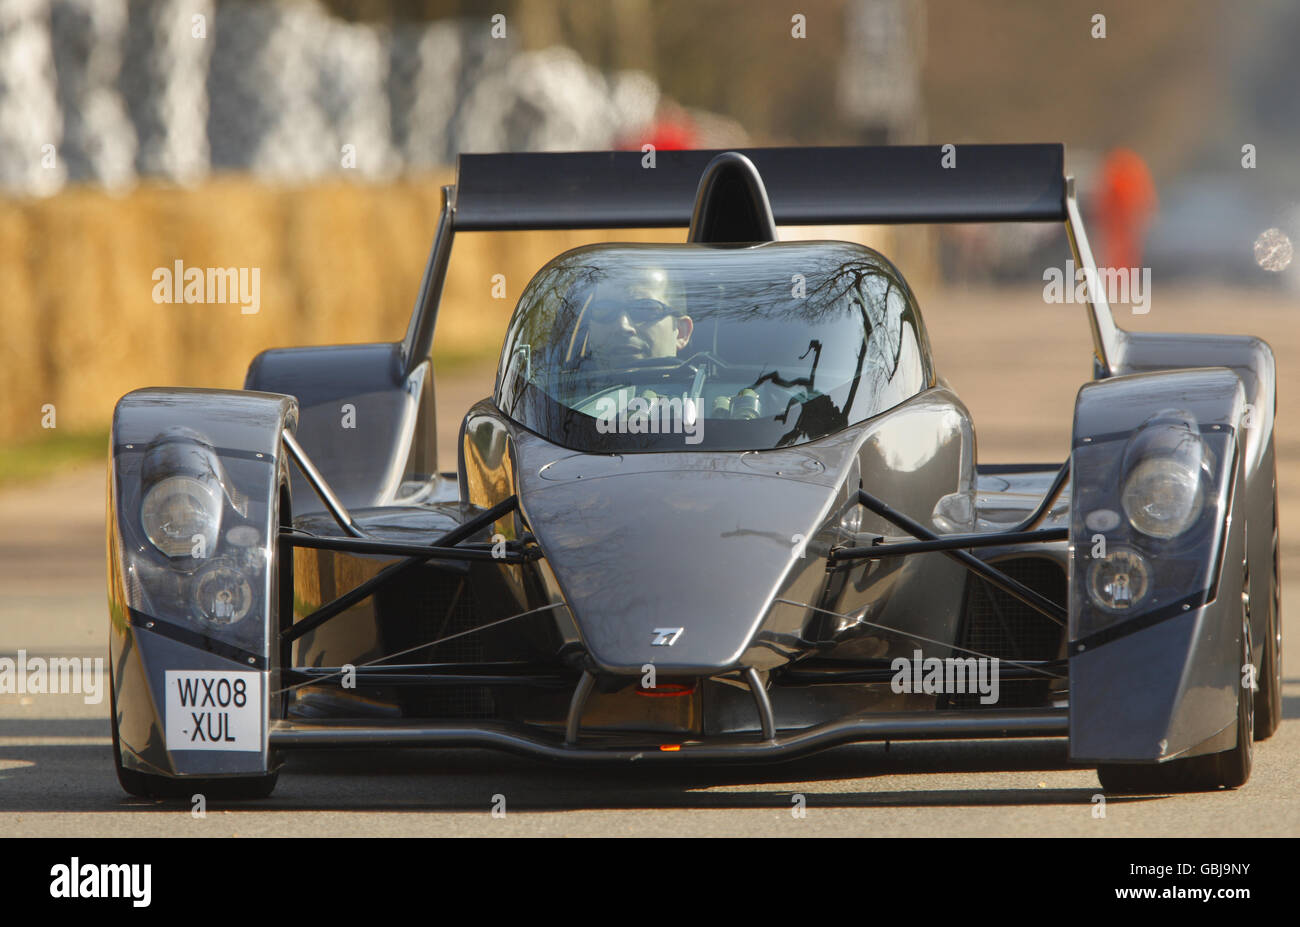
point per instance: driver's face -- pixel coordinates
(635, 328)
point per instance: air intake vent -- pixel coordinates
(996, 625)
(430, 604)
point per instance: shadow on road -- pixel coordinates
(467, 781)
(56, 727)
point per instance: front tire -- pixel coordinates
(1268, 698)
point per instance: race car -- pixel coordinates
(722, 506)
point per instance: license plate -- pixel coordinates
(214, 710)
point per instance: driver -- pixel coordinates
(637, 319)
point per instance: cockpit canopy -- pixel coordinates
(629, 347)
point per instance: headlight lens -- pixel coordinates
(1163, 497)
(179, 513)
(1119, 582)
(222, 593)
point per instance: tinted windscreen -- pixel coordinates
(617, 348)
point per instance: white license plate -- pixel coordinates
(214, 710)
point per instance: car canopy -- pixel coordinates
(634, 347)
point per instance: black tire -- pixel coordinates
(1235, 764)
(147, 785)
(1268, 697)
(1229, 769)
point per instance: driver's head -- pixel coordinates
(638, 317)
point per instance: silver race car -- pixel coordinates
(721, 506)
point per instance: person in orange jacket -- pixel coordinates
(1125, 203)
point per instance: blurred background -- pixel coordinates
(308, 139)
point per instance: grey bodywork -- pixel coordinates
(740, 560)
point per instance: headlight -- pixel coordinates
(222, 594)
(1119, 582)
(1163, 497)
(179, 513)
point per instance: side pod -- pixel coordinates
(1156, 618)
(367, 426)
(198, 489)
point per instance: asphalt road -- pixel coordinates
(56, 773)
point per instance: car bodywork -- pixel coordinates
(573, 598)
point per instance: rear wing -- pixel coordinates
(806, 186)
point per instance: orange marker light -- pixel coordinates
(670, 748)
(668, 690)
